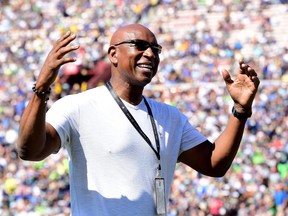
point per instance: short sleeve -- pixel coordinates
(191, 137)
(62, 116)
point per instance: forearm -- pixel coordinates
(32, 132)
(227, 144)
(37, 139)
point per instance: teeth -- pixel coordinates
(145, 66)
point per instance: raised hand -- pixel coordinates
(243, 88)
(55, 59)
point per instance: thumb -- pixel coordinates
(226, 76)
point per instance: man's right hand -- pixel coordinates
(55, 59)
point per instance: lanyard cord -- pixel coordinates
(134, 122)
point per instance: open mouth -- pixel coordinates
(144, 66)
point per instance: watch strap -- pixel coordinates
(240, 115)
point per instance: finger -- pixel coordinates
(246, 69)
(255, 80)
(241, 62)
(243, 68)
(64, 50)
(251, 72)
(64, 41)
(67, 34)
(65, 61)
(226, 76)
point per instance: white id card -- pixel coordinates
(160, 196)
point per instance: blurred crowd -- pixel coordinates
(198, 38)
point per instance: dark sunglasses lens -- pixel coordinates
(142, 45)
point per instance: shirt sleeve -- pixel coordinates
(191, 137)
(61, 116)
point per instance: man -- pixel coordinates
(123, 147)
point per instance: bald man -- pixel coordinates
(123, 146)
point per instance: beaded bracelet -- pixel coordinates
(42, 93)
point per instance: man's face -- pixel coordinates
(138, 56)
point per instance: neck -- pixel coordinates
(128, 92)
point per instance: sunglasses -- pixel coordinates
(142, 45)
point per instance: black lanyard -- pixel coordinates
(135, 124)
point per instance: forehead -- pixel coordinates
(134, 32)
(137, 34)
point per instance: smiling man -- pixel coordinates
(123, 146)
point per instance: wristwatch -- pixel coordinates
(241, 115)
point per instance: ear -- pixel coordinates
(112, 53)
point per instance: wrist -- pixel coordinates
(41, 93)
(42, 86)
(242, 113)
